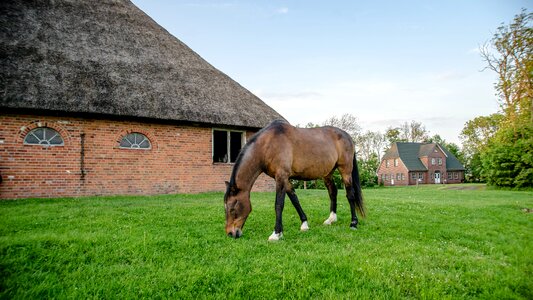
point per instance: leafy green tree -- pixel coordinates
(507, 157)
(508, 160)
(393, 135)
(367, 171)
(475, 138)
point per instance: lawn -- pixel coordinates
(429, 242)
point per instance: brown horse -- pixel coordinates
(285, 152)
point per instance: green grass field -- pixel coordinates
(430, 242)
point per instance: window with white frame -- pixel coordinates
(395, 162)
(226, 145)
(440, 161)
(43, 136)
(135, 140)
(432, 161)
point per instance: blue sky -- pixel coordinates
(385, 62)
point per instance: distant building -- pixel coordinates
(98, 99)
(412, 163)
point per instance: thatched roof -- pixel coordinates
(109, 57)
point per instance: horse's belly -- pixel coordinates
(313, 168)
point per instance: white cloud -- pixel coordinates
(283, 10)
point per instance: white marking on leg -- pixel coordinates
(305, 226)
(275, 236)
(332, 218)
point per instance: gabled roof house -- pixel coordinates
(97, 98)
(419, 163)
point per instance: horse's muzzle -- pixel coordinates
(235, 233)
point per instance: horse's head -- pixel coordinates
(238, 207)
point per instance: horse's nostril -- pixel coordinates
(230, 234)
(238, 234)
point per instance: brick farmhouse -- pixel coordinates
(98, 99)
(419, 163)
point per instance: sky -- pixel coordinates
(385, 62)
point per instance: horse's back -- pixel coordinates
(304, 152)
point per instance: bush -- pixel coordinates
(508, 161)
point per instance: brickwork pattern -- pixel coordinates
(179, 160)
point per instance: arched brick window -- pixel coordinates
(135, 140)
(44, 136)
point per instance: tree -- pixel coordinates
(346, 122)
(508, 160)
(475, 138)
(413, 132)
(371, 143)
(507, 157)
(510, 55)
(392, 134)
(367, 171)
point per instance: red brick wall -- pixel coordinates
(393, 170)
(179, 161)
(427, 177)
(432, 168)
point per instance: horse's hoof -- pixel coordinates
(332, 218)
(353, 226)
(275, 236)
(305, 226)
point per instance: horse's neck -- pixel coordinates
(248, 169)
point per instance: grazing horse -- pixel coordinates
(285, 152)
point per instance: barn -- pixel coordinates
(98, 99)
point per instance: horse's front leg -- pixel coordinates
(281, 190)
(296, 204)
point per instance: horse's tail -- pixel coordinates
(356, 182)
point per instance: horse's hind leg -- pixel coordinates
(350, 194)
(296, 204)
(332, 191)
